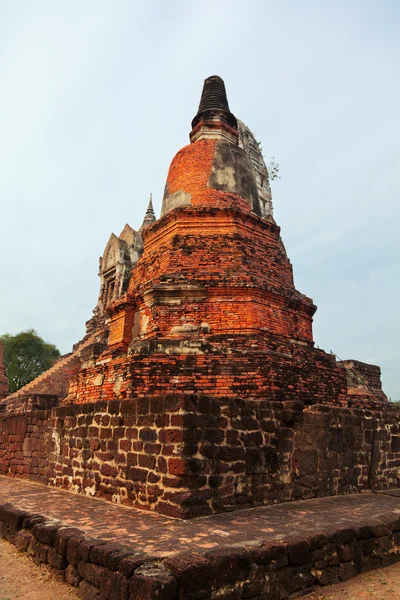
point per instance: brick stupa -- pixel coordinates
(211, 305)
(198, 387)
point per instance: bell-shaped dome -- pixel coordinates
(213, 170)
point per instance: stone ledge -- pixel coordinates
(272, 570)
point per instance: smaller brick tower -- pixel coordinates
(3, 377)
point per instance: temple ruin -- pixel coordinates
(198, 387)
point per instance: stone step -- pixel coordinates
(266, 552)
(62, 364)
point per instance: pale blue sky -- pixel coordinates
(97, 97)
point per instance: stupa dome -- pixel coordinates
(212, 170)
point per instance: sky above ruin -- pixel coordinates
(98, 96)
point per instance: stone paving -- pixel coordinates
(155, 534)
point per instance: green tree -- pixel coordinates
(26, 355)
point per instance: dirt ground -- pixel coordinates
(383, 584)
(21, 579)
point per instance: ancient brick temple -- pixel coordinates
(198, 387)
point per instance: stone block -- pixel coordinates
(114, 559)
(72, 554)
(230, 565)
(72, 576)
(192, 574)
(22, 540)
(12, 519)
(298, 552)
(344, 536)
(115, 587)
(268, 552)
(45, 532)
(38, 551)
(380, 530)
(368, 546)
(88, 591)
(63, 535)
(55, 560)
(31, 520)
(348, 570)
(349, 552)
(100, 553)
(94, 574)
(327, 576)
(150, 581)
(129, 564)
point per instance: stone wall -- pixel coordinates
(20, 403)
(361, 374)
(256, 453)
(187, 456)
(364, 386)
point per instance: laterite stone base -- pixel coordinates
(269, 553)
(190, 456)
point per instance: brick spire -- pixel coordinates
(213, 96)
(214, 119)
(3, 377)
(149, 217)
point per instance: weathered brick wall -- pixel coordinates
(22, 403)
(120, 451)
(238, 262)
(364, 386)
(254, 453)
(187, 456)
(25, 444)
(362, 374)
(278, 371)
(360, 448)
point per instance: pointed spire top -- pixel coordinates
(214, 95)
(149, 217)
(214, 119)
